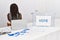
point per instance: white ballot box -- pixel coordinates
(18, 24)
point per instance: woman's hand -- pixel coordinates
(8, 23)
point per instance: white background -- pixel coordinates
(28, 6)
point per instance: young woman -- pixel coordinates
(14, 13)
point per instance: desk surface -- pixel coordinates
(33, 33)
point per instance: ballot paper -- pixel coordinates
(18, 24)
(5, 30)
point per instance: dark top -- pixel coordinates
(10, 17)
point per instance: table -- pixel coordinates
(32, 34)
(35, 33)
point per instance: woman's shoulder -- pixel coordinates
(19, 14)
(8, 14)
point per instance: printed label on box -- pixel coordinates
(43, 20)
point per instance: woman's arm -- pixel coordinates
(8, 17)
(8, 23)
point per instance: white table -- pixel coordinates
(33, 34)
(36, 33)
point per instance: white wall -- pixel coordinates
(28, 6)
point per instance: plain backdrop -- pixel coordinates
(26, 7)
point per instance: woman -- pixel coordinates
(14, 13)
